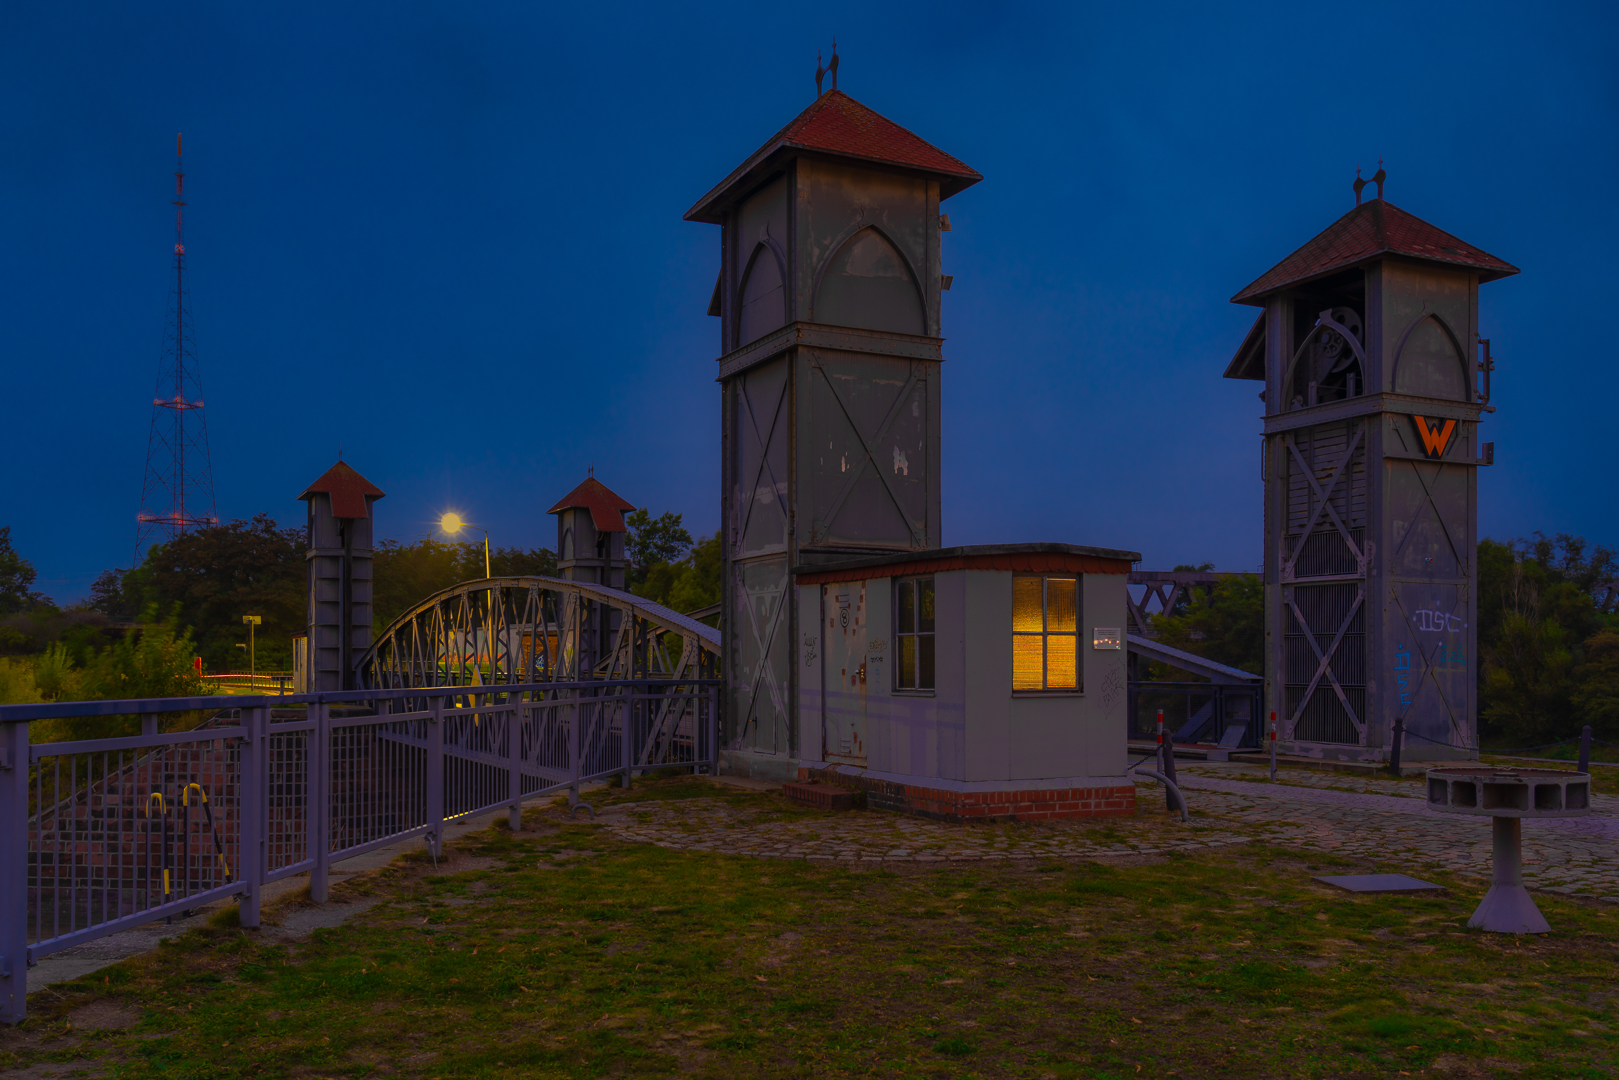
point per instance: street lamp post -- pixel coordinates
(452, 524)
(251, 621)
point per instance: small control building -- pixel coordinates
(969, 682)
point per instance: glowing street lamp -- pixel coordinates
(252, 622)
(452, 524)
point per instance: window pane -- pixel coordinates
(1061, 662)
(1061, 613)
(924, 604)
(924, 658)
(907, 607)
(1026, 604)
(1028, 658)
(907, 663)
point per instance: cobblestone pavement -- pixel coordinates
(1233, 803)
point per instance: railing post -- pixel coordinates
(13, 872)
(320, 808)
(573, 747)
(435, 777)
(714, 729)
(514, 751)
(251, 814)
(627, 729)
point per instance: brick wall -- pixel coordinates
(1040, 804)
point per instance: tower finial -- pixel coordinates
(832, 65)
(1360, 185)
(820, 73)
(1378, 177)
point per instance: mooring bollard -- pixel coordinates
(1171, 796)
(1160, 740)
(1394, 746)
(1585, 748)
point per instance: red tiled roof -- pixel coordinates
(1373, 228)
(606, 509)
(346, 488)
(838, 124)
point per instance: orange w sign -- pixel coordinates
(1435, 437)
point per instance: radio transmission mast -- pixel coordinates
(178, 492)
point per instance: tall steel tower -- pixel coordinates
(178, 492)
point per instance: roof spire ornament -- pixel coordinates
(829, 69)
(1377, 178)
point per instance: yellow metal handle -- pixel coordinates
(155, 797)
(185, 796)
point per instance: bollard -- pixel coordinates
(1585, 748)
(1160, 740)
(1273, 746)
(1394, 746)
(1171, 798)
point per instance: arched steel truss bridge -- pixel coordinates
(536, 629)
(565, 681)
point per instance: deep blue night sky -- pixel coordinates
(448, 237)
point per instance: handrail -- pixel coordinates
(59, 709)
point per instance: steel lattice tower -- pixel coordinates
(178, 491)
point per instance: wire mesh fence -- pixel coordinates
(101, 835)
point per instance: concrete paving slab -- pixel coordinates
(1380, 883)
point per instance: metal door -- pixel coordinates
(843, 673)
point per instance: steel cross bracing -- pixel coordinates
(867, 455)
(498, 631)
(1320, 498)
(1322, 502)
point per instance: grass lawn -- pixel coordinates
(562, 952)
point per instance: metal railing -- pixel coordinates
(1195, 712)
(242, 682)
(101, 835)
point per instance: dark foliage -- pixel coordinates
(16, 575)
(210, 577)
(1547, 653)
(653, 540)
(687, 585)
(1224, 623)
(404, 574)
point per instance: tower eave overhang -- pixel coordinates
(836, 127)
(1370, 232)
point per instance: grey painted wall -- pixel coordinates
(972, 728)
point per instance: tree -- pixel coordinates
(108, 597)
(688, 585)
(1538, 631)
(1596, 701)
(1229, 628)
(653, 540)
(405, 574)
(210, 577)
(16, 575)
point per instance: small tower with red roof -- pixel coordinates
(590, 534)
(1375, 382)
(831, 344)
(340, 554)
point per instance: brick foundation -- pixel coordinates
(1035, 804)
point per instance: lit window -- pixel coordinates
(1045, 633)
(913, 634)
